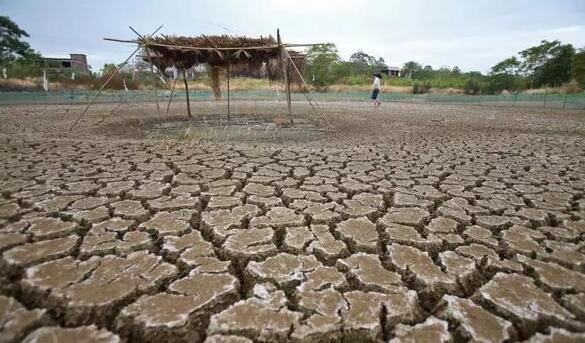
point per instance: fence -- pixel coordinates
(543, 100)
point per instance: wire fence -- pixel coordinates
(542, 100)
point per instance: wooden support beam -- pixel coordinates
(308, 90)
(118, 67)
(153, 80)
(228, 92)
(283, 63)
(187, 92)
(171, 97)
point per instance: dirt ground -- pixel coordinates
(411, 223)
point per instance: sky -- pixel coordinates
(473, 35)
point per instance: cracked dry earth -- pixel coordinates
(440, 238)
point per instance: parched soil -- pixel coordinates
(411, 223)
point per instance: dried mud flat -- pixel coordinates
(416, 223)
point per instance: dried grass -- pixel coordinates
(571, 87)
(18, 85)
(447, 91)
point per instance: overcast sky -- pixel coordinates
(473, 35)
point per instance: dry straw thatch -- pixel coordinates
(223, 51)
(184, 52)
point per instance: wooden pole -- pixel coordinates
(228, 91)
(545, 95)
(153, 80)
(565, 101)
(171, 97)
(109, 80)
(284, 63)
(103, 87)
(187, 93)
(308, 90)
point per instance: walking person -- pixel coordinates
(376, 91)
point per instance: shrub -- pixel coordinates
(421, 88)
(472, 87)
(571, 87)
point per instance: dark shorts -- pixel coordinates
(375, 94)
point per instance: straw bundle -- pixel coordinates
(214, 79)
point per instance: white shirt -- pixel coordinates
(376, 82)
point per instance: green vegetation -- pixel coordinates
(549, 64)
(16, 55)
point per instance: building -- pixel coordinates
(75, 62)
(391, 71)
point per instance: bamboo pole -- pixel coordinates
(309, 90)
(151, 70)
(108, 81)
(285, 74)
(171, 97)
(187, 93)
(228, 91)
(153, 80)
(118, 67)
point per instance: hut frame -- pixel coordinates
(185, 52)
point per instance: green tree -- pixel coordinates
(362, 63)
(380, 63)
(12, 47)
(426, 73)
(321, 61)
(510, 66)
(578, 70)
(535, 57)
(411, 69)
(557, 68)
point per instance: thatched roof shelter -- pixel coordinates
(184, 52)
(223, 52)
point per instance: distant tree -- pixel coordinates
(341, 70)
(426, 73)
(510, 66)
(557, 69)
(411, 69)
(456, 71)
(12, 47)
(380, 63)
(321, 61)
(362, 63)
(536, 57)
(361, 57)
(578, 70)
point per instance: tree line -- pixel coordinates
(549, 64)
